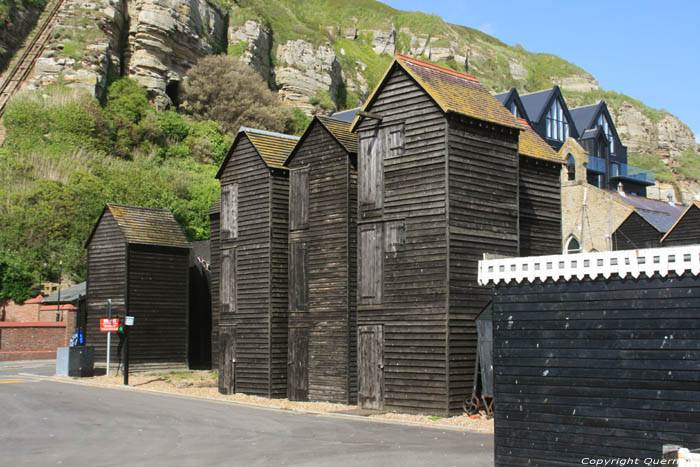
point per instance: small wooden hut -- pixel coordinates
(322, 263)
(686, 230)
(252, 321)
(540, 195)
(437, 188)
(139, 258)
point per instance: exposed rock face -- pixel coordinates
(167, 37)
(583, 83)
(383, 42)
(517, 70)
(84, 65)
(258, 44)
(13, 32)
(305, 71)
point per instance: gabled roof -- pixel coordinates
(273, 148)
(537, 102)
(452, 91)
(531, 144)
(145, 226)
(694, 204)
(507, 97)
(593, 133)
(659, 214)
(585, 117)
(338, 129)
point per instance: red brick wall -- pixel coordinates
(28, 311)
(32, 340)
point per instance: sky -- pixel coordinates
(649, 50)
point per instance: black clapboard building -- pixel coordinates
(139, 258)
(322, 263)
(539, 199)
(214, 269)
(646, 224)
(252, 262)
(596, 356)
(437, 188)
(686, 231)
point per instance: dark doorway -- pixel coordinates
(298, 364)
(370, 366)
(200, 324)
(227, 360)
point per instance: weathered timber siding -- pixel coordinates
(215, 267)
(330, 318)
(540, 207)
(279, 199)
(158, 279)
(636, 233)
(687, 231)
(483, 218)
(413, 309)
(106, 279)
(259, 287)
(595, 368)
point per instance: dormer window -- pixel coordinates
(514, 110)
(606, 126)
(557, 125)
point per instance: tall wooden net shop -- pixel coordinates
(346, 262)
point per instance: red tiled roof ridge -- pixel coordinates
(436, 67)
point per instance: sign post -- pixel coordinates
(109, 334)
(128, 322)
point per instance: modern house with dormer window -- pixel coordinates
(591, 126)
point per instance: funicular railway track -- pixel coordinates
(20, 68)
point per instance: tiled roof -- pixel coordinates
(660, 214)
(452, 91)
(272, 147)
(148, 226)
(531, 144)
(67, 295)
(340, 129)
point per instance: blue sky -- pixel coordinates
(649, 50)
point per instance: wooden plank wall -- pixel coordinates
(636, 233)
(483, 218)
(158, 300)
(352, 277)
(332, 364)
(279, 227)
(413, 311)
(106, 278)
(253, 271)
(596, 368)
(687, 232)
(215, 267)
(540, 207)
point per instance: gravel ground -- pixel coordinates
(204, 384)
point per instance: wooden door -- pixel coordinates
(298, 365)
(227, 360)
(370, 366)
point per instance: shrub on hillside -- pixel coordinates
(226, 90)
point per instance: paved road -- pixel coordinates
(55, 423)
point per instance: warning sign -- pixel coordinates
(109, 325)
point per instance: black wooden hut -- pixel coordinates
(540, 195)
(686, 230)
(596, 356)
(322, 263)
(139, 258)
(437, 188)
(214, 277)
(252, 321)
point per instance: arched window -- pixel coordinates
(572, 246)
(571, 167)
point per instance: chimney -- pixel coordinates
(466, 61)
(620, 189)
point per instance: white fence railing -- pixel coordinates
(577, 266)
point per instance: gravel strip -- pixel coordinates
(204, 384)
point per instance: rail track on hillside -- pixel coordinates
(20, 68)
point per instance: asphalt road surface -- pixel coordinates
(48, 423)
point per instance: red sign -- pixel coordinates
(109, 325)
